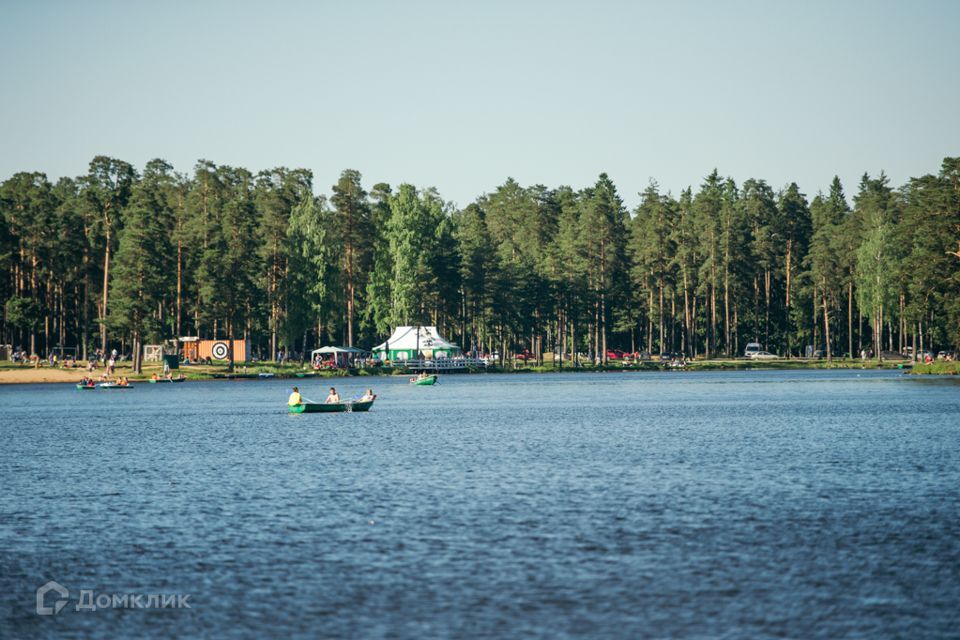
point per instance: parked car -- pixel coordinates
(615, 354)
(947, 355)
(819, 354)
(763, 355)
(752, 349)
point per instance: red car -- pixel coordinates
(615, 354)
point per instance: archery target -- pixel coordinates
(220, 350)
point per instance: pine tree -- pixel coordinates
(106, 188)
(140, 275)
(352, 224)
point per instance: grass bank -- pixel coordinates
(937, 368)
(14, 373)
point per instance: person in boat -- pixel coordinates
(368, 396)
(295, 398)
(155, 377)
(123, 382)
(333, 397)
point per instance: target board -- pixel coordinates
(216, 350)
(220, 350)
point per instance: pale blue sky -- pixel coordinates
(461, 95)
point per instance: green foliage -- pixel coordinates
(225, 252)
(22, 313)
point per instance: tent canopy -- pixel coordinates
(409, 339)
(336, 350)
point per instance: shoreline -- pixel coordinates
(26, 374)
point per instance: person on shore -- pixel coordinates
(333, 397)
(295, 398)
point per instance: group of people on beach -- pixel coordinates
(332, 398)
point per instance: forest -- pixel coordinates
(117, 258)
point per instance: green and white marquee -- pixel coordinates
(405, 342)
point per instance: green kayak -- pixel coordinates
(320, 407)
(429, 380)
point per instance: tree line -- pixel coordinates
(122, 257)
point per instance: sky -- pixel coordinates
(461, 95)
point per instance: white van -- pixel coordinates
(753, 348)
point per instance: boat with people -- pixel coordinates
(114, 385)
(424, 379)
(86, 387)
(349, 406)
(333, 404)
(159, 380)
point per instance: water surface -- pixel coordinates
(745, 504)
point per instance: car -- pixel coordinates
(819, 353)
(752, 348)
(614, 354)
(763, 355)
(666, 356)
(947, 355)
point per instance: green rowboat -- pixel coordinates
(113, 385)
(165, 380)
(320, 407)
(85, 387)
(429, 380)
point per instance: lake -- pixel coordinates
(745, 504)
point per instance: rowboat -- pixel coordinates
(164, 380)
(113, 385)
(429, 380)
(336, 407)
(85, 386)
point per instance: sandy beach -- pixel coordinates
(28, 374)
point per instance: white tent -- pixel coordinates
(340, 354)
(326, 350)
(406, 341)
